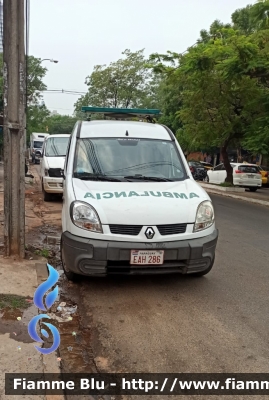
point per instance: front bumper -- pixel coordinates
(53, 185)
(99, 257)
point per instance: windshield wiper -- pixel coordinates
(86, 176)
(148, 178)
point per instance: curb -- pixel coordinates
(50, 366)
(247, 199)
(222, 189)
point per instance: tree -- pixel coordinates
(222, 86)
(36, 114)
(35, 74)
(60, 124)
(125, 83)
(35, 85)
(217, 29)
(260, 14)
(243, 20)
(36, 119)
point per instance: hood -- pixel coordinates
(55, 162)
(142, 203)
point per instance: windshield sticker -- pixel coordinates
(109, 195)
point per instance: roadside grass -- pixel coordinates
(43, 253)
(13, 301)
(226, 184)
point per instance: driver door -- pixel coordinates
(214, 174)
(222, 174)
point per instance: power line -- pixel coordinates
(63, 91)
(57, 108)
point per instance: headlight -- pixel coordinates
(205, 216)
(46, 172)
(84, 216)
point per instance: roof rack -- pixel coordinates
(124, 113)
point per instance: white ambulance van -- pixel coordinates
(130, 203)
(52, 165)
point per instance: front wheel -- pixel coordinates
(253, 189)
(206, 271)
(71, 276)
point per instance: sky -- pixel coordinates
(80, 34)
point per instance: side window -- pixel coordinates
(218, 167)
(82, 162)
(222, 167)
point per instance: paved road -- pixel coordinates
(218, 323)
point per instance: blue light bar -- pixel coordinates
(129, 111)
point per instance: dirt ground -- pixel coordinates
(41, 219)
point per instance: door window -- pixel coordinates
(218, 167)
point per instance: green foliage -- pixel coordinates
(217, 30)
(218, 91)
(126, 83)
(35, 73)
(243, 20)
(60, 124)
(260, 14)
(43, 253)
(226, 184)
(37, 116)
(13, 301)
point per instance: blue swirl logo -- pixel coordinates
(39, 299)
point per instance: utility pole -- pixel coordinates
(14, 127)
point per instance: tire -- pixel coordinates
(71, 276)
(253, 189)
(206, 271)
(26, 168)
(46, 196)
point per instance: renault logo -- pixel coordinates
(149, 233)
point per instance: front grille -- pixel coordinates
(132, 230)
(172, 229)
(56, 172)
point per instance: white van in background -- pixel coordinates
(36, 144)
(52, 165)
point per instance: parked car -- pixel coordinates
(198, 170)
(264, 172)
(52, 165)
(207, 165)
(36, 144)
(131, 205)
(244, 175)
